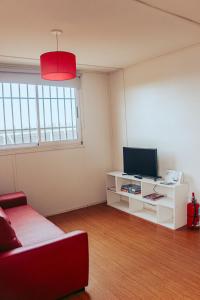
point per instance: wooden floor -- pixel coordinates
(134, 259)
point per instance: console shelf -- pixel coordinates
(168, 211)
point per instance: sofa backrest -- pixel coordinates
(8, 238)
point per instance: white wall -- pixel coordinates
(162, 104)
(118, 117)
(61, 180)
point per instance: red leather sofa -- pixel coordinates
(48, 263)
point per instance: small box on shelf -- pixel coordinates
(112, 188)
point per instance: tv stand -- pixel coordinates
(168, 211)
(138, 176)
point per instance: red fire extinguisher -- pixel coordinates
(193, 213)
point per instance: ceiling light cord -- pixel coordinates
(167, 12)
(56, 33)
(57, 41)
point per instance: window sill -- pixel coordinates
(23, 149)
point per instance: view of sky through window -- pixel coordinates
(30, 114)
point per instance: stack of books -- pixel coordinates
(131, 188)
(154, 196)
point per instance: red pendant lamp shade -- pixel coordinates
(58, 65)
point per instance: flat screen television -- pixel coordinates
(140, 161)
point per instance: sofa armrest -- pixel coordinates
(47, 270)
(13, 199)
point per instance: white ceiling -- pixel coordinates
(186, 8)
(104, 34)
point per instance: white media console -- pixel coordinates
(169, 211)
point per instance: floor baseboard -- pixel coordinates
(75, 208)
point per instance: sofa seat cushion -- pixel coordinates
(30, 227)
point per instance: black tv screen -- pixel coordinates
(140, 161)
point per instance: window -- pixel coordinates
(36, 114)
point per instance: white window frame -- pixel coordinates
(51, 145)
(79, 128)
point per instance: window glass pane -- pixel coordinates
(53, 92)
(72, 93)
(15, 90)
(17, 115)
(63, 134)
(17, 120)
(68, 113)
(6, 90)
(23, 90)
(24, 108)
(18, 137)
(34, 136)
(49, 135)
(47, 111)
(40, 94)
(67, 93)
(31, 91)
(60, 92)
(2, 139)
(46, 91)
(74, 112)
(18, 108)
(54, 112)
(1, 115)
(42, 133)
(61, 112)
(41, 113)
(10, 137)
(33, 113)
(26, 135)
(74, 118)
(2, 129)
(8, 114)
